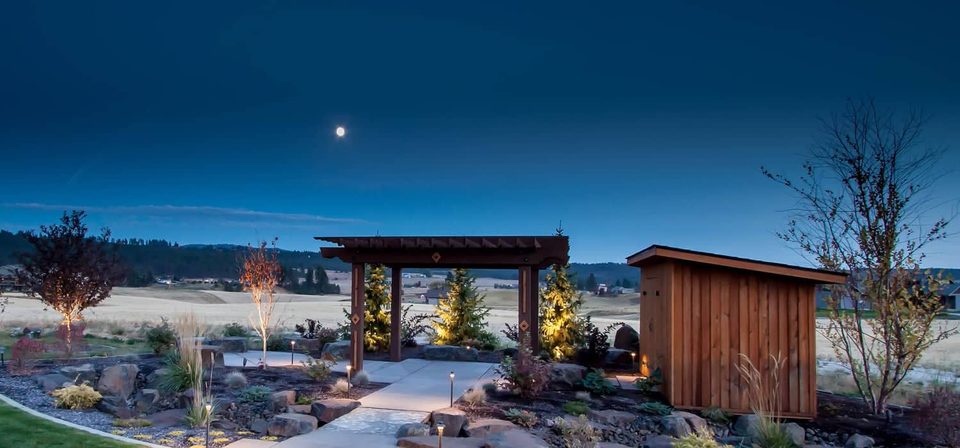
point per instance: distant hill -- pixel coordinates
(163, 258)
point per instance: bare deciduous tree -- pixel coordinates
(861, 201)
(260, 272)
(70, 271)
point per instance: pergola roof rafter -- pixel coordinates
(492, 252)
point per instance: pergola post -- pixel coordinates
(357, 305)
(529, 306)
(396, 289)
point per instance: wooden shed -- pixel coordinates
(700, 311)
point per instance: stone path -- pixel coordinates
(417, 387)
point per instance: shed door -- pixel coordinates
(653, 322)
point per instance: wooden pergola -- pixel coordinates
(527, 254)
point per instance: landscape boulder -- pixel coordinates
(627, 339)
(230, 344)
(329, 410)
(619, 357)
(514, 438)
(450, 353)
(168, 418)
(155, 378)
(335, 351)
(259, 426)
(51, 382)
(413, 430)
(280, 400)
(116, 406)
(747, 425)
(453, 421)
(185, 400)
(211, 355)
(566, 376)
(796, 433)
(299, 408)
(119, 380)
(289, 425)
(487, 426)
(80, 374)
(859, 441)
(679, 424)
(146, 399)
(612, 417)
(661, 441)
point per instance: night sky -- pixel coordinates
(634, 123)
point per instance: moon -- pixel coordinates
(341, 131)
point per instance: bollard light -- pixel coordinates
(209, 407)
(292, 344)
(633, 359)
(451, 389)
(440, 434)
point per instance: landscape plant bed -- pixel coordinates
(838, 418)
(236, 414)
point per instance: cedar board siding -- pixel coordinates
(705, 316)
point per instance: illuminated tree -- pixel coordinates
(461, 314)
(861, 199)
(559, 305)
(376, 319)
(260, 272)
(69, 270)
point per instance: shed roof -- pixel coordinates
(657, 252)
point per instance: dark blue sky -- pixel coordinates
(635, 123)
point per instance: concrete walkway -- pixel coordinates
(417, 387)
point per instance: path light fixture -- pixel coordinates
(292, 344)
(451, 389)
(349, 367)
(440, 434)
(2, 351)
(209, 407)
(633, 359)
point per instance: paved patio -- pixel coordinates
(417, 387)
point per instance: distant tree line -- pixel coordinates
(315, 281)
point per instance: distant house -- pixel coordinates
(951, 297)
(601, 289)
(823, 294)
(11, 278)
(433, 296)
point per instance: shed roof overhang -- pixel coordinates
(491, 252)
(656, 252)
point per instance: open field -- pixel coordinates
(128, 308)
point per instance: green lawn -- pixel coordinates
(19, 429)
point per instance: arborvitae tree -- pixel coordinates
(376, 319)
(462, 314)
(559, 305)
(591, 282)
(308, 285)
(323, 281)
